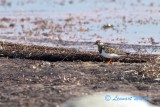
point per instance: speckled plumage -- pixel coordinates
(109, 51)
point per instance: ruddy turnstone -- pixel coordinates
(109, 51)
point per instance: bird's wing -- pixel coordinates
(111, 50)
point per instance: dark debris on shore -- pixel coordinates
(44, 76)
(61, 54)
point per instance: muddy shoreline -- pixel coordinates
(27, 81)
(35, 83)
(44, 53)
(41, 76)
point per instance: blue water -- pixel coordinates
(135, 22)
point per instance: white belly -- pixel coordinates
(107, 55)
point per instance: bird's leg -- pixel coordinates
(109, 62)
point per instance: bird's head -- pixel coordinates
(99, 43)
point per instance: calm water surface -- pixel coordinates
(134, 22)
